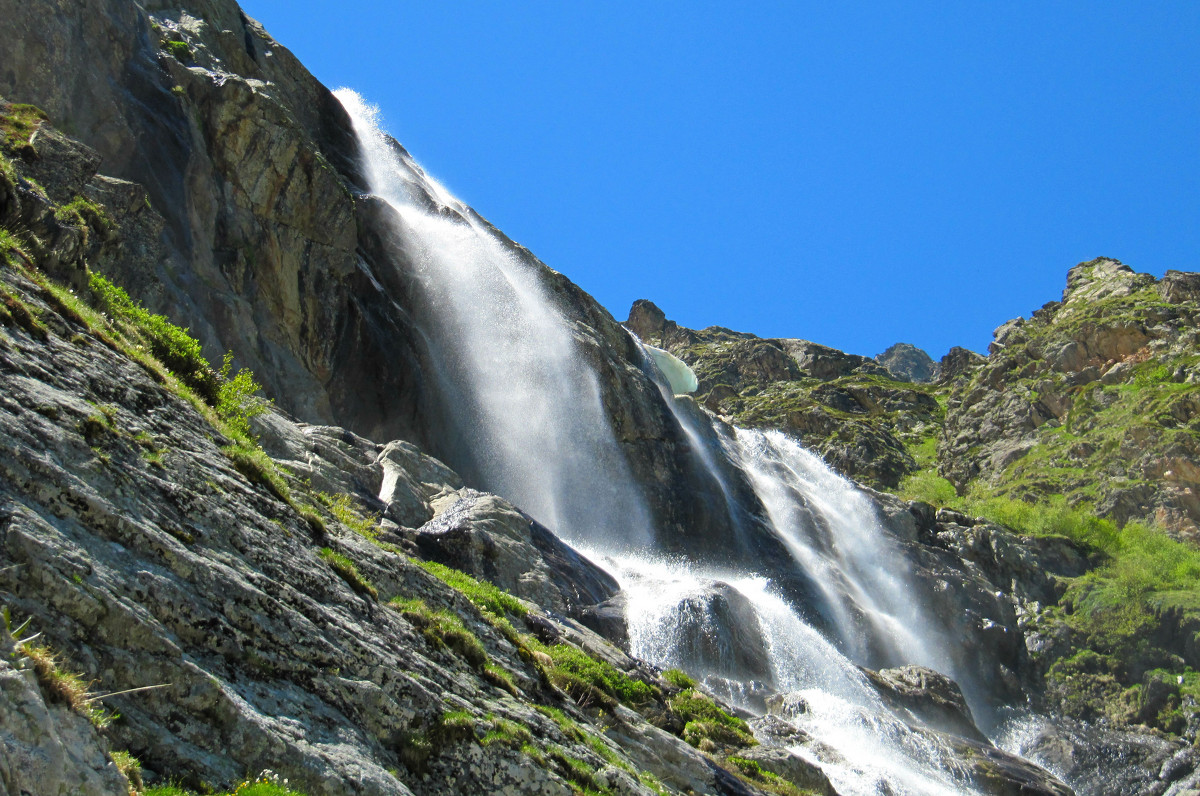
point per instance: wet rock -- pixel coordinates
(927, 697)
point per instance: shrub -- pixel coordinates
(180, 50)
(237, 400)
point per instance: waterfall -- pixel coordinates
(513, 372)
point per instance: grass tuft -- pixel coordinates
(348, 572)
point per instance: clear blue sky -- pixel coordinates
(852, 173)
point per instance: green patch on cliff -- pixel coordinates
(18, 122)
(348, 572)
(442, 629)
(170, 344)
(486, 597)
(588, 680)
(708, 726)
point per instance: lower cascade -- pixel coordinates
(527, 411)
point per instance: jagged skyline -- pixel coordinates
(856, 178)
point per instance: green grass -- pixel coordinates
(252, 462)
(484, 595)
(679, 678)
(348, 572)
(18, 123)
(707, 724)
(173, 346)
(507, 733)
(248, 788)
(750, 771)
(591, 681)
(345, 511)
(444, 630)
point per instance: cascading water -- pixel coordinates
(512, 373)
(528, 408)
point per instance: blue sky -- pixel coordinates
(851, 173)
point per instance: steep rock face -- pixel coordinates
(133, 544)
(842, 405)
(258, 235)
(1094, 397)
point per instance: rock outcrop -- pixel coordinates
(906, 362)
(1094, 397)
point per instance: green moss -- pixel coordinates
(589, 680)
(705, 720)
(347, 570)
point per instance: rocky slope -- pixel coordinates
(861, 417)
(1094, 397)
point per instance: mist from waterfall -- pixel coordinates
(510, 369)
(515, 378)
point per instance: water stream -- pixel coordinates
(529, 410)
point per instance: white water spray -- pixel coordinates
(512, 371)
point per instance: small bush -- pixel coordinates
(345, 568)
(180, 50)
(237, 400)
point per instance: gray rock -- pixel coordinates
(906, 362)
(45, 748)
